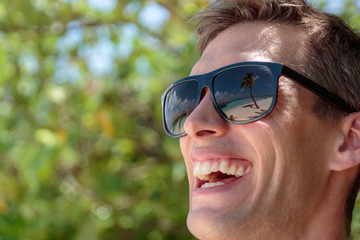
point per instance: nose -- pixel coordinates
(205, 120)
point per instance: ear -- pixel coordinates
(348, 153)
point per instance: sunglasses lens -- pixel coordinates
(179, 102)
(245, 93)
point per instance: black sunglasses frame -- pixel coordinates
(278, 69)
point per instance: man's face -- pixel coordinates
(283, 156)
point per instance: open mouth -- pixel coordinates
(217, 172)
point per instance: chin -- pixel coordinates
(208, 224)
(201, 228)
(205, 225)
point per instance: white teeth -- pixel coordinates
(208, 185)
(215, 167)
(224, 167)
(197, 169)
(232, 169)
(203, 170)
(248, 169)
(206, 168)
(240, 172)
(205, 177)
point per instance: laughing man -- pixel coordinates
(268, 122)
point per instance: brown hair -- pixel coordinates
(330, 54)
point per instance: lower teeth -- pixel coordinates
(208, 185)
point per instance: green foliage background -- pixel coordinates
(83, 154)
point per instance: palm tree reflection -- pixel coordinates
(248, 82)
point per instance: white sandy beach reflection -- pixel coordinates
(247, 109)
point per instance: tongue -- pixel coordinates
(224, 178)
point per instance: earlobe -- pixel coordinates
(348, 153)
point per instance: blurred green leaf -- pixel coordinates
(83, 152)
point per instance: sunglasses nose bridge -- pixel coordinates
(202, 92)
(205, 82)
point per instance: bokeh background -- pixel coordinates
(83, 154)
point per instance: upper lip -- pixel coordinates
(210, 153)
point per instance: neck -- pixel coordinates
(328, 222)
(328, 225)
(327, 219)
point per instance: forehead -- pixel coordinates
(256, 41)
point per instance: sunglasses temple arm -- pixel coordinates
(322, 92)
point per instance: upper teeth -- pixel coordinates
(203, 169)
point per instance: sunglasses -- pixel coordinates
(242, 93)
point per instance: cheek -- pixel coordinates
(261, 143)
(185, 146)
(301, 163)
(287, 165)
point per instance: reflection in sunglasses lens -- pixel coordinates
(243, 93)
(179, 103)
